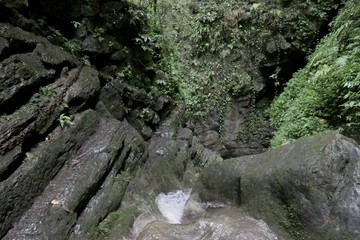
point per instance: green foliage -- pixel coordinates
(149, 42)
(76, 24)
(222, 111)
(251, 125)
(70, 45)
(48, 91)
(326, 93)
(86, 61)
(29, 155)
(99, 34)
(210, 49)
(124, 74)
(145, 112)
(104, 227)
(65, 120)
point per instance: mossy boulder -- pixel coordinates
(305, 189)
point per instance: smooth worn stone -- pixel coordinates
(217, 224)
(309, 187)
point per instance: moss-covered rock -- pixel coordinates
(304, 189)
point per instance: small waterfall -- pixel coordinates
(172, 204)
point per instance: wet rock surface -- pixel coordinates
(174, 157)
(99, 157)
(71, 151)
(216, 224)
(63, 165)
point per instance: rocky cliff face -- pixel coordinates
(54, 148)
(74, 142)
(67, 149)
(85, 146)
(256, 44)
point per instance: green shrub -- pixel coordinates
(326, 93)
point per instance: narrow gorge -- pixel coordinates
(188, 120)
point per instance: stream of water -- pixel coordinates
(172, 205)
(184, 218)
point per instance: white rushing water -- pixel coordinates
(172, 204)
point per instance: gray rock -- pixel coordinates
(91, 180)
(85, 88)
(139, 124)
(163, 171)
(185, 134)
(110, 96)
(21, 72)
(242, 131)
(308, 188)
(9, 159)
(216, 225)
(160, 102)
(37, 169)
(21, 41)
(3, 45)
(54, 55)
(91, 45)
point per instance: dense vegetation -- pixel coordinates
(214, 50)
(326, 93)
(207, 53)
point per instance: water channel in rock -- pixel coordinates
(184, 218)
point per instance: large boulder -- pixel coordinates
(308, 189)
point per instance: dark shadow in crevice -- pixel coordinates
(22, 97)
(12, 167)
(16, 46)
(279, 75)
(291, 62)
(30, 142)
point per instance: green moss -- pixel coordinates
(48, 91)
(121, 220)
(335, 235)
(292, 224)
(251, 125)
